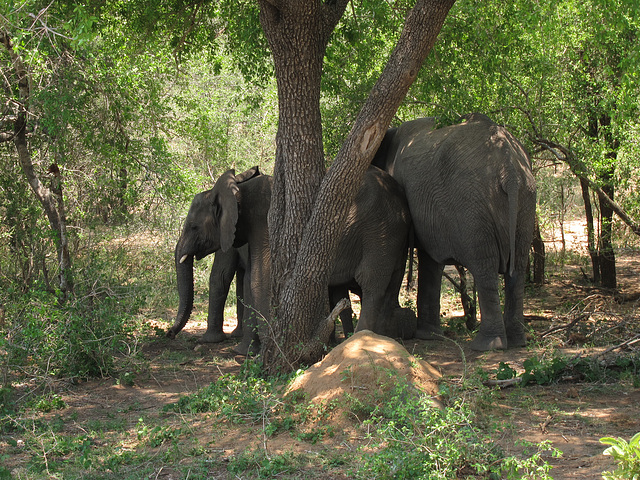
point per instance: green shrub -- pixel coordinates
(626, 455)
(412, 439)
(79, 338)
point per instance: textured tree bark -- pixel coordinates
(309, 208)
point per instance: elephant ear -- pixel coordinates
(244, 176)
(227, 190)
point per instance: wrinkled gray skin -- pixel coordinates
(472, 198)
(371, 258)
(226, 266)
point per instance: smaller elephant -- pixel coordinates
(371, 256)
(226, 266)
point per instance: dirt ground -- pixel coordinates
(573, 416)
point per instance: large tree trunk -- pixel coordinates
(607, 254)
(308, 208)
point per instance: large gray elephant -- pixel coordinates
(226, 266)
(472, 198)
(371, 256)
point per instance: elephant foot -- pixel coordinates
(237, 332)
(429, 333)
(249, 349)
(212, 337)
(515, 341)
(406, 322)
(484, 343)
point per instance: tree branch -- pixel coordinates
(579, 170)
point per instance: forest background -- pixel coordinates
(114, 114)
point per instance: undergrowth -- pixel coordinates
(558, 368)
(408, 437)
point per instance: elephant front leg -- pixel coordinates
(514, 309)
(429, 284)
(250, 343)
(220, 279)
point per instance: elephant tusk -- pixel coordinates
(184, 257)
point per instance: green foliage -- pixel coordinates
(627, 456)
(264, 465)
(546, 371)
(234, 397)
(505, 372)
(542, 373)
(78, 339)
(444, 443)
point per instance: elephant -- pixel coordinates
(371, 256)
(226, 266)
(472, 197)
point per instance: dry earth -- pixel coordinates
(572, 415)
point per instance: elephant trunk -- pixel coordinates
(184, 271)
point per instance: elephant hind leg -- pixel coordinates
(514, 309)
(429, 284)
(491, 334)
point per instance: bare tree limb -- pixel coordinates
(579, 170)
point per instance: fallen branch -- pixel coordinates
(509, 382)
(628, 342)
(337, 310)
(563, 327)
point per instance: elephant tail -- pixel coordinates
(512, 190)
(411, 245)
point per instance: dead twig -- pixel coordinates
(628, 342)
(509, 382)
(565, 326)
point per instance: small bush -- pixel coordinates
(626, 455)
(412, 439)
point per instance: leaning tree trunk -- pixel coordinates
(308, 210)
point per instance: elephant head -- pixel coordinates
(210, 226)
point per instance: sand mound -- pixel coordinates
(363, 364)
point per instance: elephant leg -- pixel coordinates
(514, 309)
(222, 273)
(491, 334)
(241, 287)
(250, 343)
(346, 316)
(429, 284)
(370, 313)
(405, 321)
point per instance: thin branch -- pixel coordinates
(579, 170)
(566, 326)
